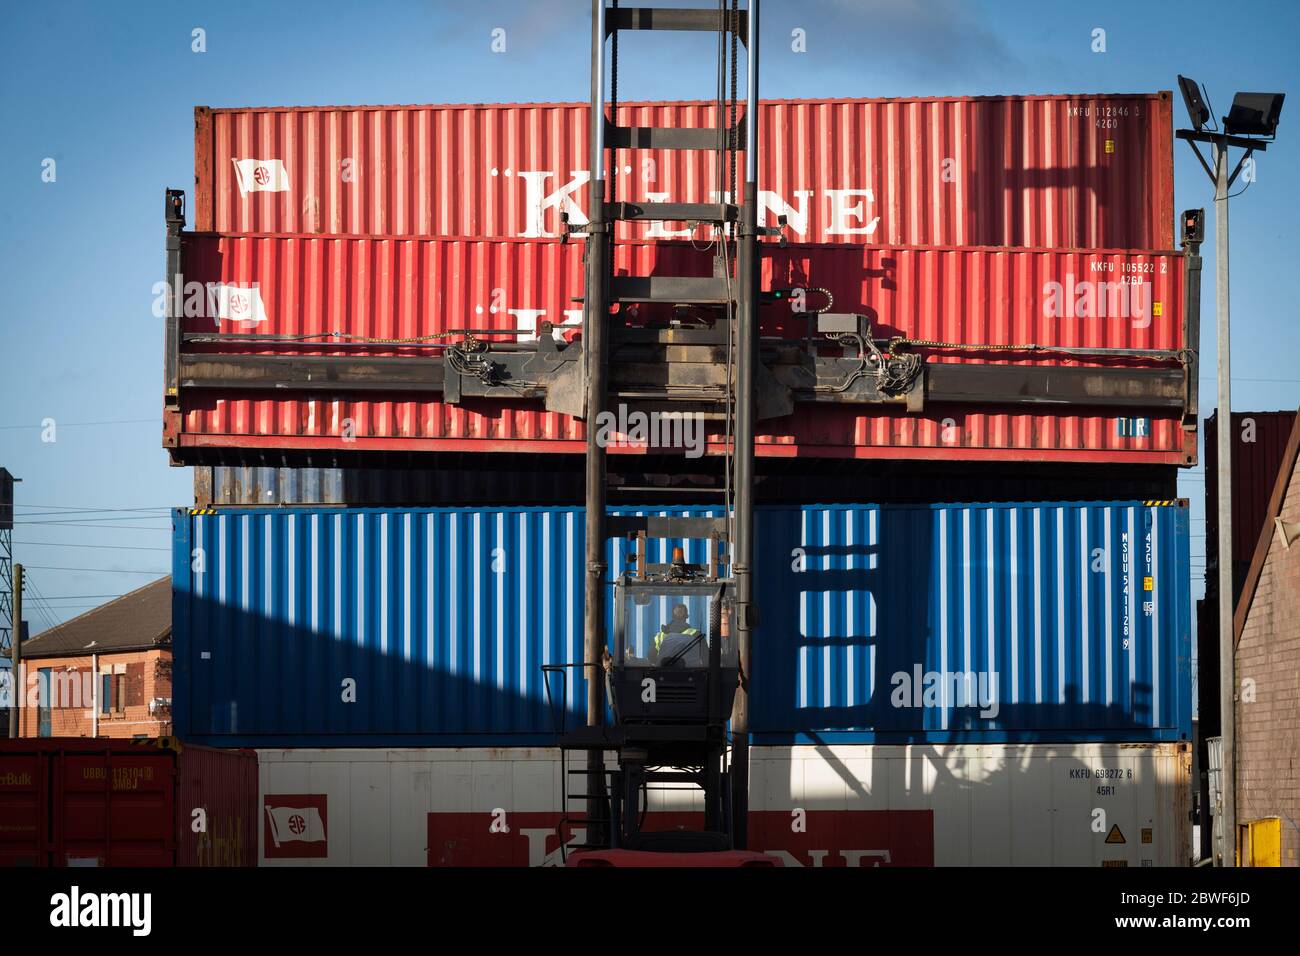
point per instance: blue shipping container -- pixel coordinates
(994, 623)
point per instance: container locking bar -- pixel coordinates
(673, 211)
(674, 290)
(668, 137)
(667, 18)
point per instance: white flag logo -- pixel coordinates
(235, 303)
(261, 176)
(295, 824)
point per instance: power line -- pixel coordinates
(89, 602)
(69, 597)
(65, 544)
(85, 508)
(46, 614)
(38, 600)
(41, 593)
(53, 618)
(55, 567)
(42, 517)
(86, 513)
(97, 527)
(59, 424)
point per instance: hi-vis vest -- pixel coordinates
(659, 638)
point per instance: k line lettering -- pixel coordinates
(816, 858)
(538, 855)
(848, 209)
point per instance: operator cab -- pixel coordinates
(675, 657)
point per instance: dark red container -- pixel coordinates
(1090, 171)
(1259, 441)
(74, 801)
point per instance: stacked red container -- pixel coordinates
(982, 221)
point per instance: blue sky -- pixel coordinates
(107, 91)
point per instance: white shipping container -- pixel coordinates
(861, 805)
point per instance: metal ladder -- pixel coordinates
(609, 22)
(605, 819)
(570, 817)
(738, 295)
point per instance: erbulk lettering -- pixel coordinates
(73, 909)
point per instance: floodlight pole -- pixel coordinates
(1225, 849)
(1223, 434)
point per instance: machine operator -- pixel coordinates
(679, 639)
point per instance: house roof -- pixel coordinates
(139, 620)
(1285, 472)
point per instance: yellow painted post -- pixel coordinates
(1263, 842)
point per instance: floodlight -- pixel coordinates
(1254, 114)
(1196, 108)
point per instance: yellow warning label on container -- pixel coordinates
(1157, 309)
(1114, 862)
(1148, 583)
(1110, 146)
(1146, 834)
(1115, 835)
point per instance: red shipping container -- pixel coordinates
(387, 288)
(78, 801)
(1084, 171)
(1259, 441)
(391, 289)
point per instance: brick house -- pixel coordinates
(105, 673)
(1267, 625)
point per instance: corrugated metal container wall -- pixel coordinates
(1057, 171)
(344, 627)
(1259, 441)
(400, 289)
(1071, 620)
(221, 782)
(83, 802)
(945, 805)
